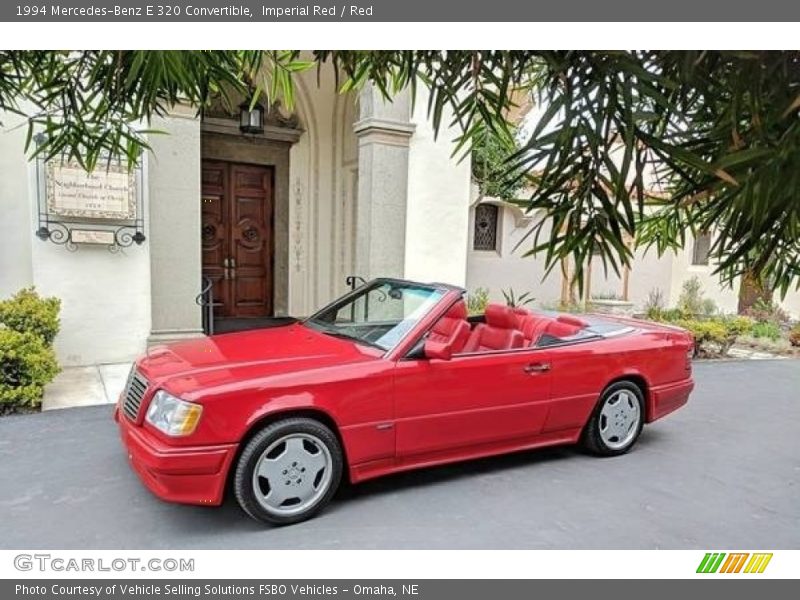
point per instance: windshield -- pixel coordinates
(379, 314)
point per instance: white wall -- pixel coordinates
(726, 298)
(508, 267)
(105, 297)
(649, 272)
(16, 228)
(791, 303)
(437, 213)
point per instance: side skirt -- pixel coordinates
(378, 468)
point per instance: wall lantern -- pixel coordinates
(251, 120)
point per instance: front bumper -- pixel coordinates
(666, 398)
(188, 475)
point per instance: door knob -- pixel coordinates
(536, 368)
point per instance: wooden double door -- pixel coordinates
(238, 237)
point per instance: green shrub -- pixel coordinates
(766, 329)
(654, 303)
(739, 325)
(477, 301)
(668, 315)
(692, 302)
(654, 313)
(27, 312)
(27, 364)
(794, 335)
(766, 311)
(712, 337)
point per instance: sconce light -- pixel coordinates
(251, 120)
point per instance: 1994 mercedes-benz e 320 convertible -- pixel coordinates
(390, 377)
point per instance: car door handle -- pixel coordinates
(536, 368)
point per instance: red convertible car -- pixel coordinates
(392, 376)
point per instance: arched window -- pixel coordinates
(486, 223)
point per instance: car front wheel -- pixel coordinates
(288, 471)
(617, 420)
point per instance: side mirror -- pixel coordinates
(438, 350)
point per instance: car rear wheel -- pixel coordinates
(288, 471)
(617, 420)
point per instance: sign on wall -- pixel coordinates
(105, 193)
(91, 236)
(78, 208)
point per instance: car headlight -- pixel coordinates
(172, 415)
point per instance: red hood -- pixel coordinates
(184, 367)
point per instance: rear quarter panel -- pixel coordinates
(582, 371)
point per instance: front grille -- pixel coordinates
(134, 392)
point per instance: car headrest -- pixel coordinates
(521, 313)
(498, 315)
(572, 320)
(457, 311)
(560, 329)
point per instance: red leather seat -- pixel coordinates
(522, 315)
(560, 329)
(498, 333)
(532, 327)
(452, 328)
(565, 326)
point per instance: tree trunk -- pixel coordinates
(752, 289)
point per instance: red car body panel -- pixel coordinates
(391, 413)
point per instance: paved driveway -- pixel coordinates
(723, 472)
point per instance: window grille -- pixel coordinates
(486, 217)
(702, 246)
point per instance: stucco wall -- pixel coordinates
(16, 229)
(437, 212)
(173, 183)
(648, 273)
(508, 267)
(683, 269)
(105, 300)
(105, 296)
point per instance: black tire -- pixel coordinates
(592, 440)
(243, 486)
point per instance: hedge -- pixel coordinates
(27, 364)
(28, 326)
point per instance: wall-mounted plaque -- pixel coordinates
(91, 236)
(108, 192)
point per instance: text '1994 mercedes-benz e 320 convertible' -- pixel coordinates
(392, 376)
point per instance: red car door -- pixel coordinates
(470, 400)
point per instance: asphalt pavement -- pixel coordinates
(721, 473)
